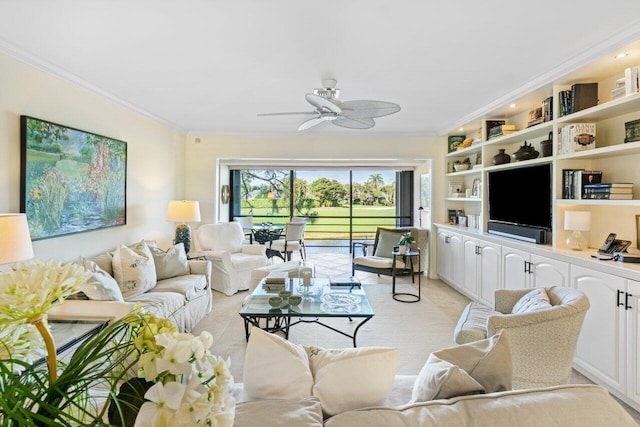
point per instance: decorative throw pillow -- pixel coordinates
(100, 286)
(439, 379)
(352, 378)
(487, 361)
(537, 299)
(387, 240)
(133, 269)
(275, 368)
(170, 263)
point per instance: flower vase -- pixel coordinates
(402, 250)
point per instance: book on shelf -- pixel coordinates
(582, 178)
(632, 80)
(610, 190)
(608, 196)
(583, 96)
(577, 137)
(611, 185)
(345, 281)
(564, 102)
(490, 124)
(568, 187)
(547, 109)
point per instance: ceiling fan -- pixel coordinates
(356, 114)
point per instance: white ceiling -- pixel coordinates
(209, 66)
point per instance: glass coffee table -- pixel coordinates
(319, 300)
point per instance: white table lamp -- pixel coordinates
(15, 244)
(577, 221)
(183, 211)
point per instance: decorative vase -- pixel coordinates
(546, 146)
(501, 157)
(305, 273)
(402, 249)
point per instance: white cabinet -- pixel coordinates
(481, 269)
(521, 269)
(449, 257)
(601, 349)
(632, 307)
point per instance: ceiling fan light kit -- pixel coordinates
(356, 114)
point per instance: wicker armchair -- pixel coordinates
(543, 343)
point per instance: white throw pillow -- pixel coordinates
(537, 299)
(487, 361)
(170, 263)
(100, 286)
(352, 378)
(134, 269)
(275, 368)
(439, 379)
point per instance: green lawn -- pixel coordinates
(333, 223)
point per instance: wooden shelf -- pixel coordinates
(607, 110)
(596, 202)
(536, 131)
(604, 152)
(467, 172)
(476, 148)
(519, 164)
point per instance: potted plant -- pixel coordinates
(405, 241)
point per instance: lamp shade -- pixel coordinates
(183, 211)
(577, 220)
(15, 243)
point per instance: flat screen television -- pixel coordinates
(521, 196)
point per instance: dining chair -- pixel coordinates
(247, 225)
(293, 241)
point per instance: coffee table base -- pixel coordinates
(282, 323)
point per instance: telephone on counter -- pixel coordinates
(615, 250)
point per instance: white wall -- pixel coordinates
(155, 163)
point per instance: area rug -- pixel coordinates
(415, 329)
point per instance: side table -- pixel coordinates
(409, 256)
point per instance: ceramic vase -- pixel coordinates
(501, 157)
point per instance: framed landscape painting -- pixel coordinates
(71, 180)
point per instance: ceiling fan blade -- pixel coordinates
(322, 104)
(311, 123)
(288, 114)
(358, 109)
(354, 123)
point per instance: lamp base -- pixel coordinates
(183, 235)
(576, 241)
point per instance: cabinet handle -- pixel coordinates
(478, 250)
(619, 292)
(626, 301)
(525, 266)
(447, 239)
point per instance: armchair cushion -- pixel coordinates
(377, 262)
(222, 236)
(387, 240)
(535, 300)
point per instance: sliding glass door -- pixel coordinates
(340, 205)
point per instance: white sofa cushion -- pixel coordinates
(277, 413)
(170, 263)
(487, 361)
(275, 368)
(560, 406)
(440, 379)
(133, 269)
(190, 285)
(351, 378)
(100, 286)
(162, 304)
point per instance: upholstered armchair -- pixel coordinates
(231, 260)
(543, 343)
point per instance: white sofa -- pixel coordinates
(185, 298)
(572, 405)
(232, 258)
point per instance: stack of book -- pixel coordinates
(581, 96)
(345, 281)
(275, 281)
(609, 190)
(500, 130)
(574, 182)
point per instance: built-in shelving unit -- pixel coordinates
(618, 160)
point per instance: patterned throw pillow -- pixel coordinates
(537, 299)
(133, 269)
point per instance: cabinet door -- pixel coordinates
(633, 340)
(442, 253)
(548, 272)
(490, 267)
(456, 258)
(471, 256)
(601, 346)
(514, 262)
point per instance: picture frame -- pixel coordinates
(454, 141)
(452, 216)
(71, 181)
(476, 188)
(632, 131)
(455, 187)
